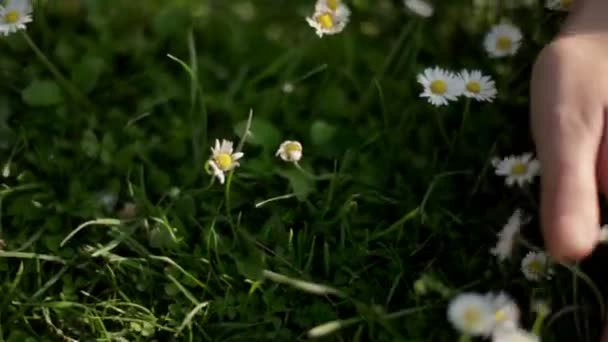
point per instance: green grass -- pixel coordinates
(392, 213)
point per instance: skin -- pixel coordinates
(569, 101)
(569, 97)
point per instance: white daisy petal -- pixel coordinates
(440, 86)
(330, 17)
(477, 86)
(513, 335)
(14, 15)
(471, 314)
(223, 159)
(503, 40)
(518, 169)
(536, 266)
(508, 236)
(290, 151)
(506, 310)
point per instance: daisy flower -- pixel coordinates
(440, 86)
(604, 234)
(14, 15)
(290, 151)
(507, 236)
(478, 86)
(559, 5)
(513, 335)
(471, 314)
(506, 311)
(223, 159)
(503, 40)
(536, 267)
(421, 8)
(517, 169)
(330, 17)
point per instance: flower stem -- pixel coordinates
(538, 325)
(69, 87)
(442, 131)
(464, 338)
(227, 196)
(465, 116)
(310, 175)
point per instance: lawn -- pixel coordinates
(119, 223)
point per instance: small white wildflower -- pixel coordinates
(330, 17)
(535, 266)
(223, 159)
(287, 88)
(290, 151)
(421, 8)
(506, 311)
(478, 86)
(513, 335)
(14, 15)
(503, 40)
(604, 234)
(517, 169)
(507, 236)
(440, 86)
(471, 314)
(559, 5)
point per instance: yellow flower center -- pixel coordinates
(519, 169)
(292, 147)
(474, 87)
(536, 267)
(333, 4)
(223, 161)
(326, 21)
(439, 87)
(504, 43)
(471, 317)
(11, 17)
(500, 316)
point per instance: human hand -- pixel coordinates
(569, 101)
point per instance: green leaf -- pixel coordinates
(263, 133)
(42, 93)
(86, 73)
(251, 266)
(160, 237)
(301, 184)
(321, 132)
(90, 144)
(171, 290)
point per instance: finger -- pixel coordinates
(568, 149)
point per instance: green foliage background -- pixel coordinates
(406, 191)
